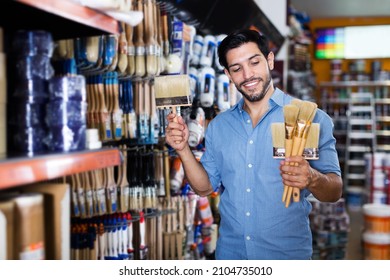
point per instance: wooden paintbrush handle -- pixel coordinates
(288, 148)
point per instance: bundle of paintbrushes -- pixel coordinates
(298, 117)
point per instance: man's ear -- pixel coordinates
(270, 60)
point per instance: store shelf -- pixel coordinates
(355, 84)
(64, 19)
(19, 171)
(75, 12)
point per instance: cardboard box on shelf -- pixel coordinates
(57, 218)
(29, 242)
(6, 229)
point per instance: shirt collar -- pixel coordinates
(277, 98)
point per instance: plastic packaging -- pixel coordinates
(31, 90)
(66, 138)
(68, 88)
(177, 174)
(208, 50)
(33, 42)
(72, 113)
(196, 127)
(29, 141)
(32, 67)
(28, 114)
(197, 49)
(207, 86)
(223, 88)
(204, 209)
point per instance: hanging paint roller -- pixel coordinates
(223, 87)
(208, 50)
(207, 86)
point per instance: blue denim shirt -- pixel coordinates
(255, 224)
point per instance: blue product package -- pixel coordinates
(31, 90)
(29, 141)
(71, 113)
(68, 88)
(33, 67)
(28, 114)
(66, 138)
(33, 42)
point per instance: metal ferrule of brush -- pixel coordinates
(300, 129)
(289, 131)
(165, 102)
(306, 130)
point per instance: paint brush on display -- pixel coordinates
(143, 248)
(172, 91)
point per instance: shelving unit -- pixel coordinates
(20, 171)
(62, 18)
(336, 98)
(360, 138)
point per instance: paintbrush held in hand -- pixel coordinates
(172, 91)
(290, 112)
(307, 111)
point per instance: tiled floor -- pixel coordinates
(355, 245)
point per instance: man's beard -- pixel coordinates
(256, 96)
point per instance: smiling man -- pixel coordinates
(238, 160)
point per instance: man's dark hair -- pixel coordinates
(238, 38)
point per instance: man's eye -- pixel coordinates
(236, 69)
(255, 62)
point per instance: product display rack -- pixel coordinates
(367, 123)
(20, 171)
(17, 171)
(335, 99)
(63, 19)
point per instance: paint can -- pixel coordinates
(376, 246)
(377, 218)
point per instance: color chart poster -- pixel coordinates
(329, 43)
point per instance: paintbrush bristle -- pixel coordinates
(307, 111)
(313, 136)
(172, 90)
(278, 135)
(290, 112)
(296, 102)
(278, 138)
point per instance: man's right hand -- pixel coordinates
(176, 133)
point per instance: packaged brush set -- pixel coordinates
(298, 135)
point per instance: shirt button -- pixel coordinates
(248, 214)
(248, 121)
(250, 165)
(248, 238)
(248, 190)
(251, 142)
